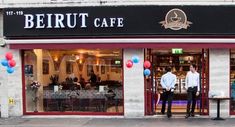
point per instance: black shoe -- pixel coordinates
(187, 116)
(163, 113)
(192, 114)
(169, 116)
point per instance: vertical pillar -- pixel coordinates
(219, 72)
(133, 85)
(39, 77)
(11, 86)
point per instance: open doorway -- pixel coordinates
(179, 60)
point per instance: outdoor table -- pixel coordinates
(218, 99)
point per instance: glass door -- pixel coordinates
(161, 58)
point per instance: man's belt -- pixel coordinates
(193, 87)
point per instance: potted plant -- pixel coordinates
(34, 87)
(54, 81)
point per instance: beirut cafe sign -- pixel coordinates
(68, 20)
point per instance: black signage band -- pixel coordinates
(119, 21)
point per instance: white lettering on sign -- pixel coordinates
(40, 23)
(68, 20)
(49, 21)
(83, 15)
(96, 22)
(28, 21)
(120, 22)
(108, 22)
(112, 22)
(59, 21)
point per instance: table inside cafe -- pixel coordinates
(79, 100)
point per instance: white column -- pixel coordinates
(11, 86)
(4, 100)
(39, 77)
(133, 85)
(3, 87)
(219, 79)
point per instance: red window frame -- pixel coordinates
(67, 112)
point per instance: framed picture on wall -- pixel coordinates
(97, 68)
(89, 69)
(45, 66)
(80, 67)
(113, 69)
(102, 69)
(69, 67)
(56, 65)
(28, 69)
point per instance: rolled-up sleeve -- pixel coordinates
(198, 83)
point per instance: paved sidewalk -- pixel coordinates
(114, 122)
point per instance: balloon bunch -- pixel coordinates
(147, 65)
(9, 63)
(134, 59)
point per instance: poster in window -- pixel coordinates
(69, 67)
(102, 69)
(28, 69)
(89, 69)
(45, 67)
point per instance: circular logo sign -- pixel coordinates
(176, 19)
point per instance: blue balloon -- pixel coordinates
(147, 72)
(4, 62)
(10, 70)
(135, 59)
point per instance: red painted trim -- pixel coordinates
(23, 83)
(64, 113)
(145, 96)
(123, 62)
(73, 113)
(208, 80)
(230, 110)
(127, 36)
(203, 80)
(121, 45)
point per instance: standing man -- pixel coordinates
(168, 82)
(93, 78)
(192, 83)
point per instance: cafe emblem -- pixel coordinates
(176, 19)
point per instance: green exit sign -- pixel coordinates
(177, 51)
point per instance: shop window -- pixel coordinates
(73, 80)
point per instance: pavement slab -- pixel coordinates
(114, 122)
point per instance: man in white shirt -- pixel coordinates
(192, 83)
(168, 82)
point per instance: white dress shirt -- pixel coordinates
(168, 80)
(192, 80)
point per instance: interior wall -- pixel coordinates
(45, 81)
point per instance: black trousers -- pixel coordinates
(167, 96)
(191, 93)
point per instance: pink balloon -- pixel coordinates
(9, 56)
(129, 64)
(147, 64)
(12, 63)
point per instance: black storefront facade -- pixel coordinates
(125, 28)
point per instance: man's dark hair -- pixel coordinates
(168, 69)
(194, 66)
(75, 79)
